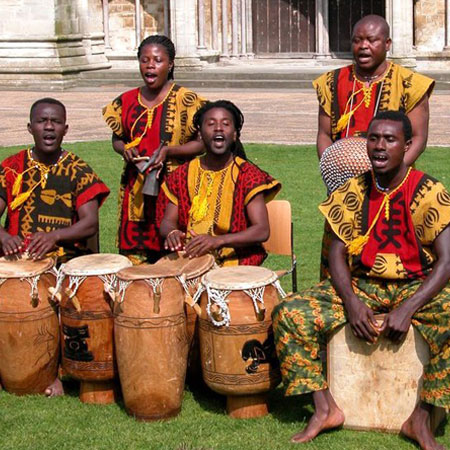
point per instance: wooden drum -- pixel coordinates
(236, 338)
(29, 329)
(87, 284)
(192, 269)
(151, 340)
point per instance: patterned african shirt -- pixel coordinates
(400, 89)
(170, 122)
(70, 183)
(400, 245)
(213, 202)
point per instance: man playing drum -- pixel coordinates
(390, 254)
(217, 201)
(51, 195)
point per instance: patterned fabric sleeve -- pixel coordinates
(3, 194)
(169, 187)
(257, 181)
(323, 91)
(88, 185)
(188, 103)
(430, 210)
(415, 87)
(112, 115)
(341, 209)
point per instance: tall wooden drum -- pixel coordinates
(29, 329)
(87, 285)
(151, 340)
(236, 338)
(192, 270)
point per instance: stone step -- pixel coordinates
(226, 78)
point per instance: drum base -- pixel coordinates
(153, 417)
(247, 406)
(98, 392)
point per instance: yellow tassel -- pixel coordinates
(343, 121)
(20, 199)
(133, 143)
(17, 185)
(355, 247)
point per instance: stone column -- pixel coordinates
(399, 14)
(183, 24)
(322, 37)
(447, 27)
(59, 43)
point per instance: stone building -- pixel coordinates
(51, 42)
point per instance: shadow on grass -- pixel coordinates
(295, 409)
(207, 399)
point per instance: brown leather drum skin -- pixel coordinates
(151, 344)
(239, 361)
(29, 333)
(87, 335)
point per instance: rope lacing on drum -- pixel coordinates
(2, 280)
(33, 282)
(257, 295)
(109, 282)
(189, 286)
(198, 293)
(74, 284)
(276, 284)
(155, 283)
(60, 275)
(218, 298)
(123, 285)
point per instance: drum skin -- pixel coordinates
(87, 335)
(29, 337)
(240, 360)
(151, 349)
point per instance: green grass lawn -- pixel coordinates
(64, 423)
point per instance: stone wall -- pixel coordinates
(429, 25)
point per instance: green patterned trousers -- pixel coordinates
(303, 321)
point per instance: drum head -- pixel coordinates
(147, 271)
(96, 264)
(190, 267)
(237, 278)
(343, 160)
(22, 268)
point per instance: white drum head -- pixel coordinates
(190, 267)
(237, 278)
(96, 264)
(23, 268)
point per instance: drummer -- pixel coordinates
(217, 202)
(351, 96)
(51, 196)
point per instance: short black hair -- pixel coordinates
(49, 101)
(238, 120)
(164, 41)
(396, 116)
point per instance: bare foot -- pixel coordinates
(417, 428)
(55, 389)
(320, 421)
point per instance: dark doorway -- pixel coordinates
(343, 14)
(283, 27)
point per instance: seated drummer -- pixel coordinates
(390, 254)
(51, 195)
(217, 202)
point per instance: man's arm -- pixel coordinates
(169, 229)
(10, 244)
(360, 316)
(86, 226)
(256, 233)
(419, 117)
(324, 133)
(397, 322)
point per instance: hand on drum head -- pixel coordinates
(201, 244)
(175, 241)
(11, 245)
(41, 243)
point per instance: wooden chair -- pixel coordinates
(281, 240)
